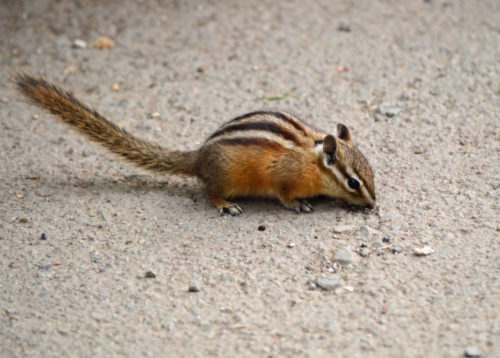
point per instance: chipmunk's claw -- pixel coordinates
(299, 206)
(232, 209)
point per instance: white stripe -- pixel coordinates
(254, 134)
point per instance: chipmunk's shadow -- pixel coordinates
(126, 184)
(271, 205)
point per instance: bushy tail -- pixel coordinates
(86, 120)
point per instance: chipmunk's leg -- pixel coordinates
(224, 206)
(297, 205)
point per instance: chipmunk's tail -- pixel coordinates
(86, 120)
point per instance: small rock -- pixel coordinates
(329, 283)
(94, 258)
(262, 227)
(43, 236)
(44, 267)
(115, 86)
(419, 150)
(386, 239)
(193, 288)
(389, 110)
(311, 285)
(123, 102)
(343, 228)
(290, 245)
(23, 220)
(103, 42)
(344, 27)
(396, 249)
(78, 43)
(150, 274)
(364, 251)
(472, 352)
(344, 256)
(423, 251)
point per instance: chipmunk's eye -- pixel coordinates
(353, 183)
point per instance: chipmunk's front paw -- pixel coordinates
(232, 209)
(299, 206)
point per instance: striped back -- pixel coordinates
(266, 127)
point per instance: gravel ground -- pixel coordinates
(98, 258)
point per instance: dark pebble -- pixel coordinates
(44, 267)
(23, 220)
(344, 27)
(150, 274)
(262, 227)
(386, 239)
(43, 236)
(193, 288)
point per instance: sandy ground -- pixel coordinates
(417, 82)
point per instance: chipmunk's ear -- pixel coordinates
(329, 145)
(344, 133)
(331, 148)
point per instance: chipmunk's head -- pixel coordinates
(349, 174)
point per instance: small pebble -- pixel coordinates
(123, 103)
(78, 43)
(472, 352)
(396, 249)
(103, 42)
(193, 288)
(423, 251)
(311, 285)
(43, 236)
(262, 227)
(343, 228)
(344, 256)
(150, 274)
(23, 220)
(364, 251)
(386, 239)
(344, 27)
(329, 283)
(290, 245)
(389, 110)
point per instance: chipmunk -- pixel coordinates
(263, 153)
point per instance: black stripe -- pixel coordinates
(283, 116)
(264, 126)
